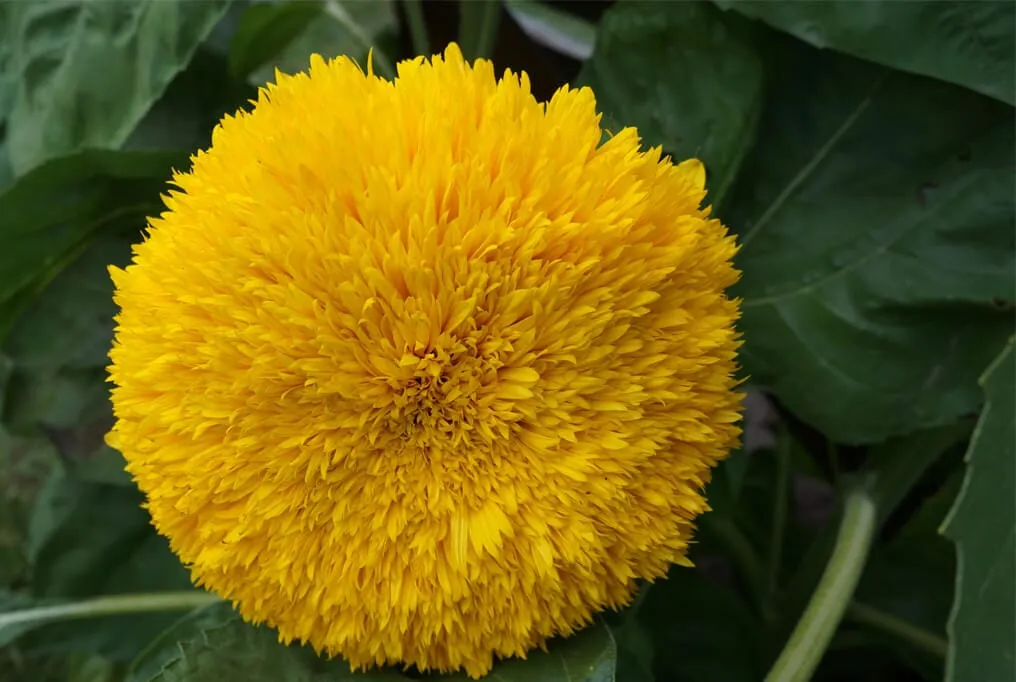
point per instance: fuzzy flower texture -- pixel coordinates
(425, 371)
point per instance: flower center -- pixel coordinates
(440, 404)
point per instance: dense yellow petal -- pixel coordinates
(423, 371)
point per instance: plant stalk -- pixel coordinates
(108, 606)
(818, 624)
(919, 638)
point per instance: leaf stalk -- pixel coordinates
(818, 624)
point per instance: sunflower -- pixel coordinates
(425, 371)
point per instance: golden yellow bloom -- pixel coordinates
(420, 371)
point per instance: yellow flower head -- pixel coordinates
(421, 371)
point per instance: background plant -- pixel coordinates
(864, 156)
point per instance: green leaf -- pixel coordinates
(49, 216)
(876, 221)
(6, 172)
(195, 101)
(101, 465)
(554, 28)
(634, 651)
(88, 668)
(71, 322)
(589, 655)
(265, 30)
(60, 346)
(189, 631)
(89, 539)
(213, 644)
(25, 464)
(686, 77)
(345, 27)
(900, 463)
(982, 627)
(87, 72)
(968, 43)
(58, 391)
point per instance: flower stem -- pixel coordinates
(818, 624)
(417, 27)
(107, 606)
(916, 636)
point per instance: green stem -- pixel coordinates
(818, 624)
(417, 27)
(779, 511)
(917, 637)
(107, 606)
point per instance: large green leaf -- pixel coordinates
(213, 644)
(48, 217)
(284, 36)
(900, 463)
(85, 73)
(686, 78)
(89, 539)
(185, 115)
(589, 655)
(982, 628)
(59, 348)
(265, 30)
(876, 221)
(972, 44)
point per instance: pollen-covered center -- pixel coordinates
(452, 393)
(438, 404)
